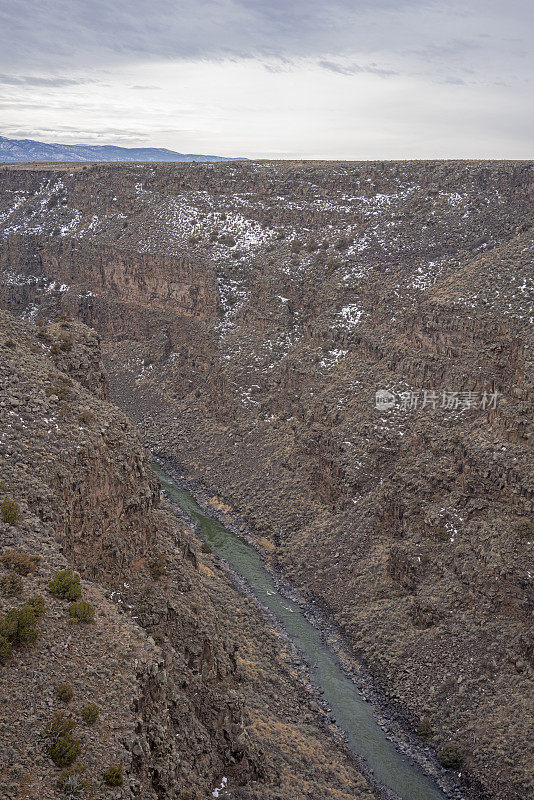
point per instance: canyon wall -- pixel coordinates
(250, 313)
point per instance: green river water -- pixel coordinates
(352, 713)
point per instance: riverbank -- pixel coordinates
(390, 720)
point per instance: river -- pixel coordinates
(353, 714)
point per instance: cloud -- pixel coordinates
(36, 80)
(142, 69)
(355, 69)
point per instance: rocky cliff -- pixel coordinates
(186, 684)
(250, 313)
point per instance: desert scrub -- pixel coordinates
(18, 625)
(5, 649)
(157, 567)
(424, 728)
(82, 612)
(66, 345)
(65, 692)
(11, 584)
(113, 775)
(86, 417)
(65, 585)
(450, 756)
(37, 603)
(10, 511)
(18, 561)
(71, 781)
(65, 751)
(60, 725)
(90, 713)
(525, 529)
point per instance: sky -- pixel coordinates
(334, 79)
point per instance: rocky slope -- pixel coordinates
(190, 687)
(250, 312)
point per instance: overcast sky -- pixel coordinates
(352, 79)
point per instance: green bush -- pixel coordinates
(60, 725)
(37, 603)
(450, 756)
(71, 780)
(18, 625)
(65, 751)
(5, 649)
(11, 584)
(205, 548)
(65, 692)
(10, 511)
(66, 585)
(113, 775)
(82, 612)
(90, 713)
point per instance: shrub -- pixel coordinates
(205, 548)
(5, 649)
(113, 775)
(60, 725)
(71, 780)
(90, 713)
(424, 728)
(157, 567)
(65, 692)
(86, 417)
(18, 625)
(65, 751)
(296, 246)
(342, 243)
(10, 510)
(525, 529)
(66, 585)
(450, 756)
(20, 562)
(11, 584)
(37, 603)
(66, 345)
(82, 612)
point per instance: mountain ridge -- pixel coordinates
(13, 151)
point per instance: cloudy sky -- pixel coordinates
(273, 78)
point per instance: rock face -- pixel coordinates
(251, 312)
(175, 659)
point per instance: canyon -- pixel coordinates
(249, 313)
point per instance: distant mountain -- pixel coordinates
(16, 150)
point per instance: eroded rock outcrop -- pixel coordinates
(174, 658)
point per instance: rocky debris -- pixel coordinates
(190, 686)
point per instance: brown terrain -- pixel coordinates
(248, 313)
(189, 685)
